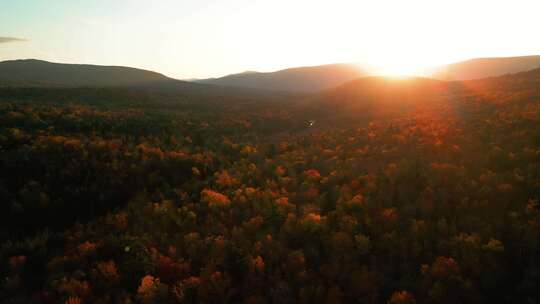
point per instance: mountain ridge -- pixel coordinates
(45, 73)
(295, 79)
(475, 68)
(311, 79)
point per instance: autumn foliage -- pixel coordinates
(142, 205)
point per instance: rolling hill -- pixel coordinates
(320, 78)
(372, 97)
(301, 79)
(485, 67)
(38, 80)
(33, 72)
(37, 73)
(369, 98)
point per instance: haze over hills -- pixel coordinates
(380, 90)
(371, 98)
(318, 78)
(37, 73)
(485, 67)
(301, 79)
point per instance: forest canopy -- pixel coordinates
(383, 199)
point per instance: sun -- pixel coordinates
(397, 69)
(402, 65)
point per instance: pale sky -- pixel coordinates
(209, 38)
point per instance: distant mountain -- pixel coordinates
(37, 73)
(43, 73)
(484, 67)
(46, 81)
(302, 79)
(319, 78)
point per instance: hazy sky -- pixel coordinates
(204, 38)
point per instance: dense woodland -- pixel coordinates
(404, 191)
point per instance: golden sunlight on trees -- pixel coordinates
(434, 202)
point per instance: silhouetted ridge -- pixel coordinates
(37, 72)
(302, 79)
